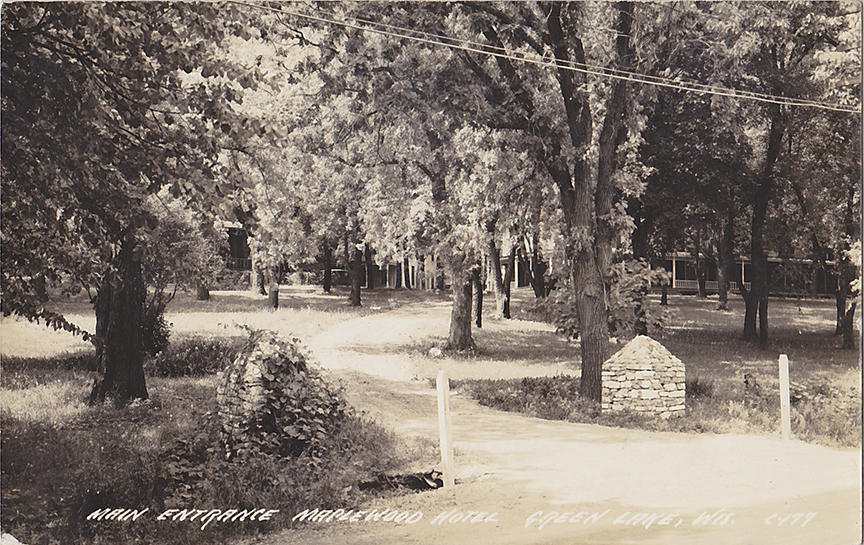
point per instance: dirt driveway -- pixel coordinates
(524, 480)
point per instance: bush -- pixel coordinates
(272, 402)
(196, 356)
(697, 388)
(166, 453)
(155, 330)
(551, 398)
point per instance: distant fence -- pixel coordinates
(238, 264)
(710, 285)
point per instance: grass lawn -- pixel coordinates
(63, 459)
(709, 343)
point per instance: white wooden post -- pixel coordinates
(444, 429)
(784, 397)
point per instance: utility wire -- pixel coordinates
(642, 78)
(493, 51)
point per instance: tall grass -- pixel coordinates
(716, 359)
(64, 460)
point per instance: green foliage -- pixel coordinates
(197, 356)
(183, 250)
(155, 329)
(295, 409)
(699, 387)
(302, 410)
(95, 119)
(630, 307)
(166, 453)
(629, 303)
(823, 411)
(551, 398)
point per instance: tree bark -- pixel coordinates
(202, 293)
(538, 269)
(259, 280)
(722, 283)
(498, 282)
(578, 205)
(612, 135)
(508, 281)
(371, 269)
(328, 267)
(848, 327)
(534, 267)
(273, 296)
(756, 301)
(119, 310)
(725, 261)
(356, 276)
(459, 337)
(477, 281)
(840, 305)
(640, 326)
(701, 267)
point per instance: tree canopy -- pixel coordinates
(604, 130)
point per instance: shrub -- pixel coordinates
(631, 310)
(155, 330)
(551, 398)
(166, 453)
(271, 402)
(697, 388)
(194, 357)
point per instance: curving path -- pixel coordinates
(629, 485)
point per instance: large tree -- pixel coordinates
(556, 112)
(103, 104)
(780, 50)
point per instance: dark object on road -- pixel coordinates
(411, 481)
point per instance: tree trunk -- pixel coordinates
(459, 338)
(508, 282)
(119, 310)
(577, 195)
(406, 273)
(356, 276)
(498, 283)
(763, 321)
(371, 269)
(757, 301)
(664, 295)
(259, 280)
(848, 328)
(202, 293)
(593, 328)
(612, 136)
(328, 267)
(274, 289)
(722, 283)
(725, 261)
(477, 281)
(640, 326)
(701, 267)
(538, 269)
(840, 304)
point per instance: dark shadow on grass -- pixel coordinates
(524, 347)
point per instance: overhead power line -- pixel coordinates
(493, 51)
